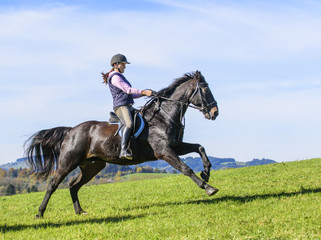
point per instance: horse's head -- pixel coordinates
(202, 98)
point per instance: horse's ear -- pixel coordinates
(198, 75)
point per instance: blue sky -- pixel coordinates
(261, 59)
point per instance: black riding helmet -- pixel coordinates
(118, 58)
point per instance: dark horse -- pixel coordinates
(91, 144)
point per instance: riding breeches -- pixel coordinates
(124, 114)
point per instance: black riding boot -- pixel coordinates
(125, 152)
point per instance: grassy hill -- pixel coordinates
(276, 201)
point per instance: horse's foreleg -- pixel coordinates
(185, 148)
(88, 171)
(172, 158)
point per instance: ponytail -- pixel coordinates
(105, 76)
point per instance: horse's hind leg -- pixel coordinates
(52, 186)
(185, 148)
(65, 166)
(88, 170)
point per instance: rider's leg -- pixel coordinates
(124, 113)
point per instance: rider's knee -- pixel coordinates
(129, 125)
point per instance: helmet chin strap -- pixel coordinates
(117, 68)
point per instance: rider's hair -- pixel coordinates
(105, 76)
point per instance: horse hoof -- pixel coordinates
(81, 212)
(38, 216)
(211, 191)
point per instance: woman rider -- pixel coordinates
(123, 98)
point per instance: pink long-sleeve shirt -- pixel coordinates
(117, 81)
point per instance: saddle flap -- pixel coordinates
(139, 123)
(113, 118)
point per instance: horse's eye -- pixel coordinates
(205, 90)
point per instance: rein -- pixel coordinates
(205, 108)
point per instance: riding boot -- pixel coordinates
(125, 153)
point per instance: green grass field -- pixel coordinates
(142, 176)
(278, 201)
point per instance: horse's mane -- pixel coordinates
(167, 92)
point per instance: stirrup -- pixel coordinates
(126, 154)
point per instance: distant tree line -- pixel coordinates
(17, 181)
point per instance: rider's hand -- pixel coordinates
(147, 93)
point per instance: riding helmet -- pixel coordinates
(118, 58)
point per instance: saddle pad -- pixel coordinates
(139, 123)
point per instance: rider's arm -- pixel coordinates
(117, 81)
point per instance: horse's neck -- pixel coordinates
(173, 106)
(178, 103)
(182, 92)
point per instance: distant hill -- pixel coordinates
(19, 163)
(193, 162)
(217, 163)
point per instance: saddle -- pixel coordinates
(139, 123)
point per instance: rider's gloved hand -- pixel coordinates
(147, 92)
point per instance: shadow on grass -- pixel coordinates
(37, 225)
(249, 198)
(240, 199)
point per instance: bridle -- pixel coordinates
(205, 108)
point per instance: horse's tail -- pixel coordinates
(43, 150)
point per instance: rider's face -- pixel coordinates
(121, 67)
